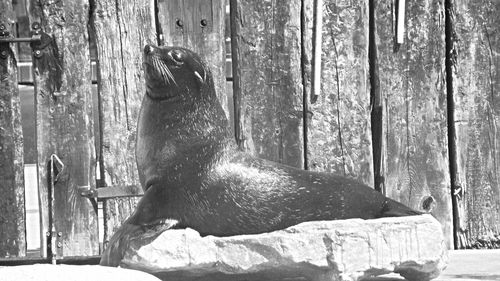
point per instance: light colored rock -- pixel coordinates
(48, 272)
(324, 250)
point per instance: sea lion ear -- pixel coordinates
(202, 80)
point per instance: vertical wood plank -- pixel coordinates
(64, 124)
(450, 68)
(339, 131)
(198, 25)
(376, 101)
(121, 29)
(12, 211)
(269, 78)
(477, 113)
(412, 81)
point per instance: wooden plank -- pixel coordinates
(268, 81)
(64, 125)
(477, 117)
(339, 132)
(198, 25)
(121, 31)
(12, 216)
(412, 81)
(450, 68)
(376, 101)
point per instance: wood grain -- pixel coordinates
(64, 124)
(268, 81)
(181, 25)
(121, 30)
(477, 112)
(412, 82)
(339, 138)
(12, 209)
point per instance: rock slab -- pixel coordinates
(48, 272)
(350, 249)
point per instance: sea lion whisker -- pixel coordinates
(169, 73)
(157, 67)
(165, 72)
(199, 76)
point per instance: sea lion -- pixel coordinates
(195, 176)
(193, 172)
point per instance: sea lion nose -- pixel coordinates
(148, 49)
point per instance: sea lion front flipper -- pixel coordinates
(115, 251)
(391, 208)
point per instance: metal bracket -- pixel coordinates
(38, 40)
(44, 42)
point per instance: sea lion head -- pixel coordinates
(174, 73)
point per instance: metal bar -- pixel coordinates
(119, 191)
(35, 38)
(400, 28)
(51, 234)
(111, 191)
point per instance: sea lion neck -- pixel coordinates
(169, 134)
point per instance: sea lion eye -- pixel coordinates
(176, 56)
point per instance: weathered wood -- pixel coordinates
(198, 25)
(450, 68)
(269, 78)
(64, 124)
(305, 67)
(477, 114)
(339, 131)
(12, 215)
(122, 29)
(376, 101)
(412, 81)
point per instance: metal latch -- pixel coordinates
(38, 40)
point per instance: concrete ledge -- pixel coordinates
(351, 249)
(48, 272)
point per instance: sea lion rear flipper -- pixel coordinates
(391, 208)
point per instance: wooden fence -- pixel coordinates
(415, 119)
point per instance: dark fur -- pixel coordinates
(193, 173)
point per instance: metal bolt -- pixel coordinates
(3, 54)
(203, 23)
(35, 25)
(59, 244)
(47, 233)
(37, 53)
(3, 30)
(59, 234)
(179, 23)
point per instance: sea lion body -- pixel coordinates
(193, 173)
